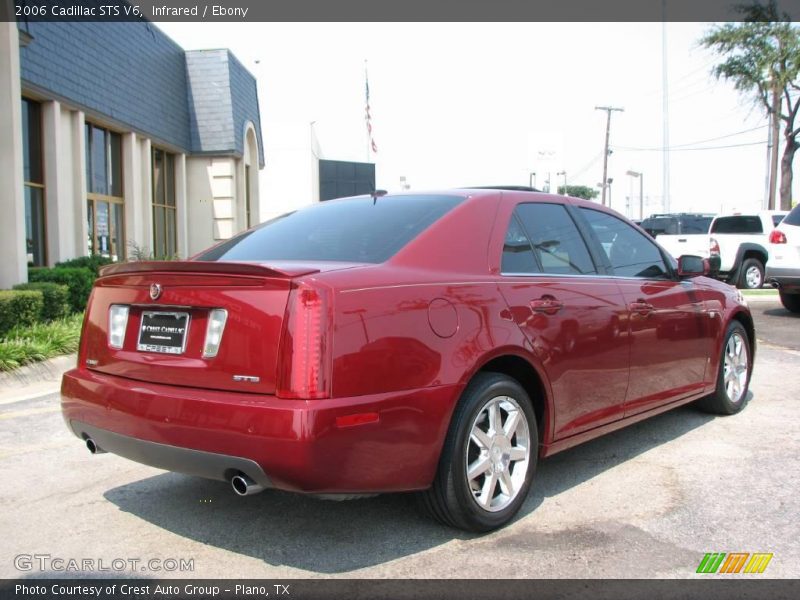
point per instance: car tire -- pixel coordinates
(483, 503)
(733, 376)
(791, 302)
(751, 274)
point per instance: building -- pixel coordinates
(301, 173)
(116, 141)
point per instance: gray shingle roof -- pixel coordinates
(134, 74)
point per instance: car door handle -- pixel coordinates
(547, 305)
(641, 307)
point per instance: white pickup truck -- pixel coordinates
(740, 240)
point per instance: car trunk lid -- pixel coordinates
(173, 301)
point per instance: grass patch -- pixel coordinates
(41, 341)
(760, 292)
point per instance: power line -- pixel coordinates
(587, 166)
(689, 149)
(677, 146)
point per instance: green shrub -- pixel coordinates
(24, 345)
(19, 308)
(93, 262)
(79, 281)
(54, 295)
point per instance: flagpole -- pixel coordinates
(366, 84)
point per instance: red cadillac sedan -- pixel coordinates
(439, 343)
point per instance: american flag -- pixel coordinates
(367, 116)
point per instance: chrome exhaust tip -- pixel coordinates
(244, 486)
(92, 446)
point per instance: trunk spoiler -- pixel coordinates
(286, 271)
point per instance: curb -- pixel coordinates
(43, 377)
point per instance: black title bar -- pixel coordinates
(381, 10)
(706, 587)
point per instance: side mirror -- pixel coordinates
(693, 266)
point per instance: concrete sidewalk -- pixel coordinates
(33, 381)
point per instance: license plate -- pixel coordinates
(163, 332)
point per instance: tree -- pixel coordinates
(579, 191)
(761, 56)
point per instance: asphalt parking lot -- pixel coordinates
(647, 501)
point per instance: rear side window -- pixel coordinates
(517, 250)
(556, 241)
(776, 220)
(793, 218)
(738, 224)
(352, 230)
(630, 253)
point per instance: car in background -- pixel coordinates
(677, 223)
(440, 343)
(738, 244)
(783, 269)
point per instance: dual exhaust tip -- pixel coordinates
(92, 446)
(244, 486)
(241, 483)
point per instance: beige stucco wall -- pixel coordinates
(13, 268)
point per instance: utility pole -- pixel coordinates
(664, 108)
(608, 110)
(774, 136)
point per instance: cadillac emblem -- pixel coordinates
(155, 291)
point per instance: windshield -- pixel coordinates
(359, 229)
(660, 225)
(696, 224)
(793, 218)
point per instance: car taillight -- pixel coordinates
(214, 331)
(304, 359)
(117, 324)
(777, 237)
(714, 248)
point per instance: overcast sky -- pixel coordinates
(470, 104)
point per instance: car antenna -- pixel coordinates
(377, 194)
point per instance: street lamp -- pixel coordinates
(564, 173)
(640, 176)
(532, 180)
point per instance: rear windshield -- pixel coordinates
(793, 218)
(359, 229)
(738, 224)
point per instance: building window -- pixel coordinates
(105, 204)
(165, 243)
(34, 183)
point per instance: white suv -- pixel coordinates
(783, 269)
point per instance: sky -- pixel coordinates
(459, 104)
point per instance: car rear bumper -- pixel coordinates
(294, 445)
(787, 279)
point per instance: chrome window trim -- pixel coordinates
(597, 275)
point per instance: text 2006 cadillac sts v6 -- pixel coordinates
(437, 342)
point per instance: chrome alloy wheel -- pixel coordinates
(735, 367)
(498, 453)
(753, 277)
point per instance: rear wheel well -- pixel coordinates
(757, 254)
(521, 370)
